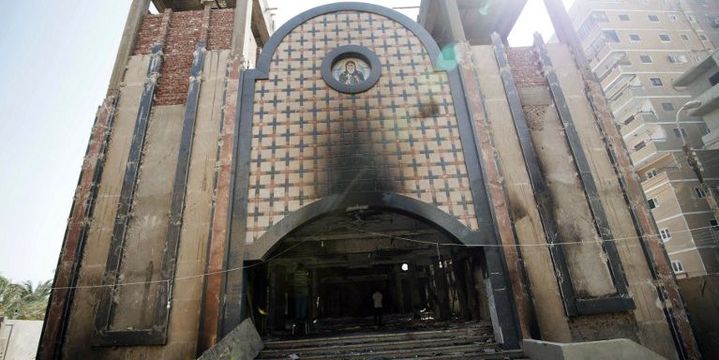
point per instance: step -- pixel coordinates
(429, 353)
(375, 337)
(501, 355)
(381, 346)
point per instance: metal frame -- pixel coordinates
(344, 52)
(622, 301)
(233, 310)
(157, 335)
(103, 318)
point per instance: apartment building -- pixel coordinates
(637, 49)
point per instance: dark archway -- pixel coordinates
(371, 200)
(326, 262)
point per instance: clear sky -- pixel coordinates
(56, 61)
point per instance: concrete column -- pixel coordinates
(414, 289)
(242, 24)
(458, 267)
(397, 294)
(656, 257)
(314, 313)
(137, 13)
(441, 290)
(480, 287)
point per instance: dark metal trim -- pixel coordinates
(604, 305)
(344, 52)
(539, 187)
(179, 191)
(104, 336)
(268, 51)
(232, 311)
(379, 200)
(497, 270)
(586, 177)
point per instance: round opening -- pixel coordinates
(405, 267)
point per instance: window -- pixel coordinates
(680, 132)
(651, 173)
(673, 18)
(664, 233)
(678, 59)
(667, 106)
(611, 35)
(653, 18)
(691, 18)
(653, 203)
(656, 81)
(640, 146)
(699, 193)
(634, 37)
(677, 266)
(646, 59)
(685, 37)
(714, 224)
(665, 37)
(600, 16)
(623, 17)
(714, 79)
(702, 37)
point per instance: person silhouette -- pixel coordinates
(351, 76)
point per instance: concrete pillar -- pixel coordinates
(480, 287)
(242, 24)
(655, 254)
(458, 267)
(137, 12)
(441, 290)
(397, 293)
(414, 288)
(314, 313)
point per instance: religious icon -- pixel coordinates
(350, 71)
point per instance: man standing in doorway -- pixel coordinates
(377, 302)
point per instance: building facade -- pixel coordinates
(357, 151)
(637, 49)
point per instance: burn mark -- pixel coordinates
(356, 163)
(429, 109)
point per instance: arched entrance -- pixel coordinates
(327, 260)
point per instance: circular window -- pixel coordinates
(351, 69)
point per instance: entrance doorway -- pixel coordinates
(321, 277)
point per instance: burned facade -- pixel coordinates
(467, 181)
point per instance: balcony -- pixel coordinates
(640, 119)
(659, 178)
(711, 140)
(617, 76)
(651, 151)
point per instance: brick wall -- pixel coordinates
(221, 24)
(182, 36)
(525, 67)
(149, 34)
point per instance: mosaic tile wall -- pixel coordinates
(310, 141)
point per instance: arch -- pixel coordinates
(263, 63)
(378, 200)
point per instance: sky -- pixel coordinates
(56, 61)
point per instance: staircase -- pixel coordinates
(469, 341)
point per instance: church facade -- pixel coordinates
(364, 151)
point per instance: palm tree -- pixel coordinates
(22, 301)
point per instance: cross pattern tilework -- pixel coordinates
(310, 141)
